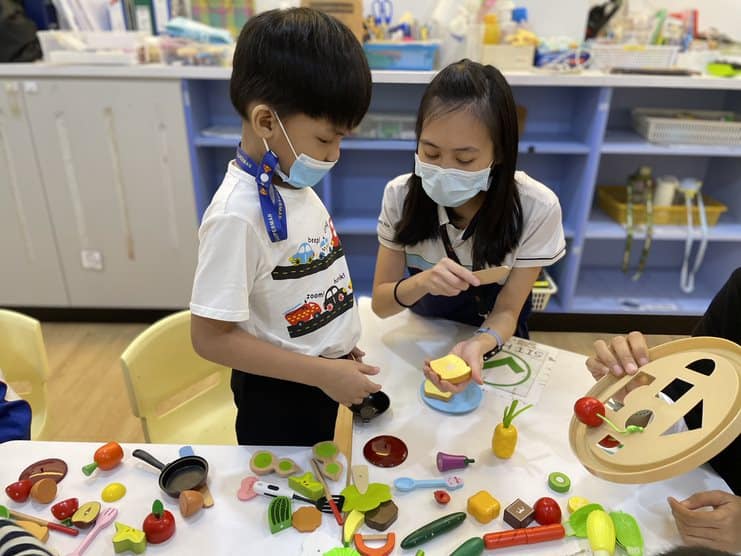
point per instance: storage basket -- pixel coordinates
(394, 55)
(92, 47)
(612, 199)
(606, 56)
(687, 127)
(542, 294)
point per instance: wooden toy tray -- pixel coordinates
(709, 374)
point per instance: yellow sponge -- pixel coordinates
(451, 368)
(432, 391)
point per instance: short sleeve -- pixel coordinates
(391, 208)
(227, 266)
(542, 242)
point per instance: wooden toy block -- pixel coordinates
(263, 462)
(41, 532)
(306, 485)
(86, 515)
(286, 467)
(451, 368)
(518, 514)
(128, 538)
(190, 502)
(483, 506)
(306, 519)
(279, 514)
(360, 477)
(353, 521)
(432, 391)
(326, 453)
(44, 491)
(383, 516)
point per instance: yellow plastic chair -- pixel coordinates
(180, 397)
(24, 364)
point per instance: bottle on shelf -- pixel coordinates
(492, 32)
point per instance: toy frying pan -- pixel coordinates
(706, 372)
(187, 473)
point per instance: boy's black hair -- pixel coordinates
(301, 60)
(483, 90)
(694, 551)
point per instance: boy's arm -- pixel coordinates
(227, 344)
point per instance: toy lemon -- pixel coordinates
(451, 368)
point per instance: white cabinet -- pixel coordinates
(30, 271)
(113, 157)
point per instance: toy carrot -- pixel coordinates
(505, 434)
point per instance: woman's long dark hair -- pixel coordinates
(468, 85)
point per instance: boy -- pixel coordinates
(272, 296)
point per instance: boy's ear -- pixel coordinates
(263, 121)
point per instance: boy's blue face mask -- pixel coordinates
(305, 171)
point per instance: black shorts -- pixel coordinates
(274, 412)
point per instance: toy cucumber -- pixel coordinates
(577, 524)
(433, 529)
(628, 533)
(472, 547)
(601, 533)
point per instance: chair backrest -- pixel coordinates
(173, 390)
(24, 363)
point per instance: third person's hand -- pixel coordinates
(348, 383)
(622, 355)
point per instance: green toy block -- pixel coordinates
(306, 485)
(128, 538)
(279, 514)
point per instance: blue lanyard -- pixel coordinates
(271, 202)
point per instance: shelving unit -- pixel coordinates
(577, 135)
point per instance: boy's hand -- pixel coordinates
(448, 278)
(471, 352)
(622, 355)
(347, 382)
(357, 354)
(718, 528)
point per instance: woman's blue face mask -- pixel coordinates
(450, 187)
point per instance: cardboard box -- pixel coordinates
(349, 12)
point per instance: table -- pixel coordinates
(399, 345)
(229, 527)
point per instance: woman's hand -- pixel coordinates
(472, 352)
(448, 278)
(622, 355)
(711, 518)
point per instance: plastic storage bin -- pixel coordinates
(92, 47)
(393, 55)
(606, 56)
(613, 200)
(688, 127)
(386, 126)
(542, 294)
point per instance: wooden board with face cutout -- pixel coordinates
(709, 375)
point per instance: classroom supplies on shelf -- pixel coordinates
(224, 14)
(408, 55)
(639, 190)
(612, 200)
(690, 189)
(607, 56)
(92, 47)
(543, 289)
(687, 127)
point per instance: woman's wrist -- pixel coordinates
(408, 291)
(485, 342)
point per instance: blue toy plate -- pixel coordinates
(465, 402)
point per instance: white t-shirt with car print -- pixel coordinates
(297, 293)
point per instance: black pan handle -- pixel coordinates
(149, 458)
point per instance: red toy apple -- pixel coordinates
(588, 410)
(20, 490)
(159, 525)
(547, 511)
(65, 509)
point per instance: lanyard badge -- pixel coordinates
(271, 203)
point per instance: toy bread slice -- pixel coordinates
(451, 368)
(432, 391)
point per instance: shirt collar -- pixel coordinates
(444, 220)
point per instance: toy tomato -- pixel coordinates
(588, 410)
(106, 457)
(547, 511)
(65, 509)
(19, 490)
(159, 525)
